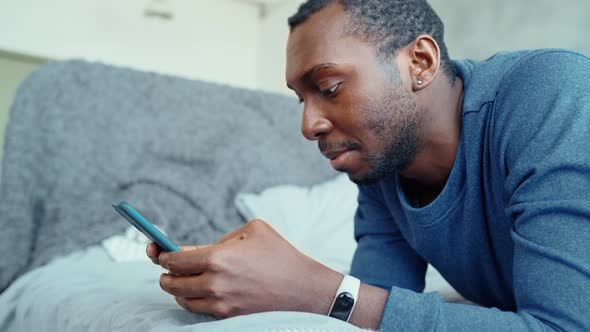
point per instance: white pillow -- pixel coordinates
(318, 220)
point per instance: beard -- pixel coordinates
(393, 120)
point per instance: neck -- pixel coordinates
(439, 130)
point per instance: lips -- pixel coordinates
(341, 160)
(334, 154)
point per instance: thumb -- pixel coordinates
(188, 248)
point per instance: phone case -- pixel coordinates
(145, 226)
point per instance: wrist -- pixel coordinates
(369, 308)
(324, 285)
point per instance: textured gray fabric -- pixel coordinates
(83, 135)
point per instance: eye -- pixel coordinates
(331, 91)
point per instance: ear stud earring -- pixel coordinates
(419, 82)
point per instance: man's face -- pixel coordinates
(355, 105)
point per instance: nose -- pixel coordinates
(314, 124)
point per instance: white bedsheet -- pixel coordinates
(88, 291)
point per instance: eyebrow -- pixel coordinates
(310, 72)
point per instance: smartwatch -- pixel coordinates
(345, 298)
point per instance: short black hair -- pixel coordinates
(387, 24)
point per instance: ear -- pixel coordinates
(425, 61)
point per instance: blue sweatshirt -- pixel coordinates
(510, 231)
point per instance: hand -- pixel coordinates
(153, 251)
(252, 269)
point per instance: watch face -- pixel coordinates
(342, 306)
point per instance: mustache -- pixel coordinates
(324, 145)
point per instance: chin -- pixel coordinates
(363, 179)
(371, 176)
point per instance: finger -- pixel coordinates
(183, 248)
(198, 306)
(188, 286)
(153, 251)
(188, 248)
(207, 306)
(187, 262)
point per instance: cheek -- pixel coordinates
(373, 128)
(374, 146)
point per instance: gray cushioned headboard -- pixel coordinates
(83, 135)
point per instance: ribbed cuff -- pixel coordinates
(407, 310)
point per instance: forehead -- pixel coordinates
(321, 39)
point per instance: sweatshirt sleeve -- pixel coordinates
(383, 258)
(543, 134)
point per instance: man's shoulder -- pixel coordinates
(539, 97)
(556, 67)
(484, 80)
(503, 62)
(541, 77)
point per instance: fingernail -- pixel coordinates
(163, 260)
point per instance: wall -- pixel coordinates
(274, 32)
(478, 29)
(211, 40)
(474, 29)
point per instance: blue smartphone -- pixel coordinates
(143, 225)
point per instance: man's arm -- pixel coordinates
(383, 258)
(543, 152)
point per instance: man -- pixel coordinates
(479, 168)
